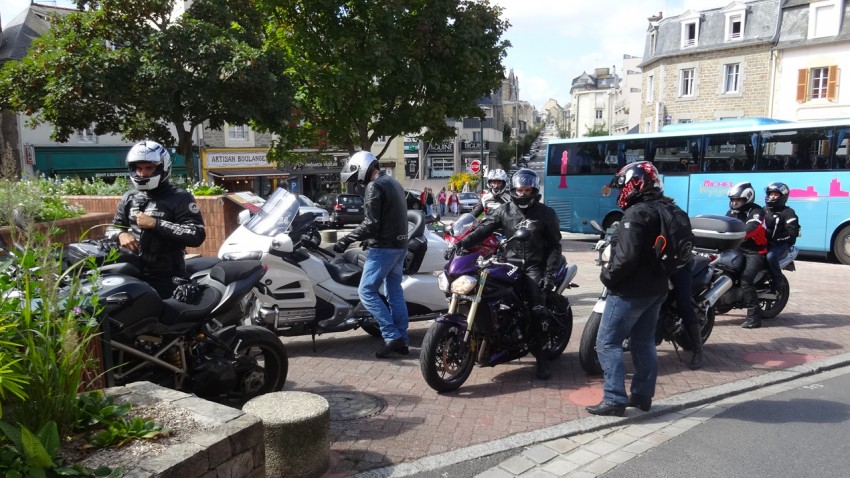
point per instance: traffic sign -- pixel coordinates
(475, 166)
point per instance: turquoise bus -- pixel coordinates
(699, 162)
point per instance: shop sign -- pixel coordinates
(228, 159)
(444, 147)
(474, 146)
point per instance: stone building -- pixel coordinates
(709, 64)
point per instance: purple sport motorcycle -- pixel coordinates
(489, 317)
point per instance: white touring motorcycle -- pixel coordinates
(308, 290)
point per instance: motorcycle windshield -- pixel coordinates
(276, 215)
(465, 223)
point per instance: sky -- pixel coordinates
(553, 41)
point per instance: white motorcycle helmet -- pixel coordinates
(493, 178)
(359, 168)
(149, 152)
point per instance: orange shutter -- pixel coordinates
(802, 85)
(832, 84)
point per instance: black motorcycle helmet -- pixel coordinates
(776, 187)
(634, 181)
(525, 178)
(743, 191)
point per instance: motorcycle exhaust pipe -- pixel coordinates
(718, 288)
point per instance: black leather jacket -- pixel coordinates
(179, 224)
(632, 271)
(385, 215)
(543, 250)
(782, 225)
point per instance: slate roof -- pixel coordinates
(26, 27)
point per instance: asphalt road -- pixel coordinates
(799, 432)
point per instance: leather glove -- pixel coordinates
(547, 284)
(341, 245)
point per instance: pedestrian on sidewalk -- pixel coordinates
(441, 198)
(636, 289)
(429, 201)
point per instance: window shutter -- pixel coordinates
(832, 84)
(802, 85)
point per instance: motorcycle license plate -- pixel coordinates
(352, 210)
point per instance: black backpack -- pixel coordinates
(675, 244)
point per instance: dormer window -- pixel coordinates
(824, 18)
(734, 26)
(690, 33)
(653, 41)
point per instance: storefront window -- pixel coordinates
(442, 167)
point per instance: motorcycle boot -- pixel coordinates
(541, 321)
(695, 337)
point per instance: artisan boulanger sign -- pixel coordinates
(231, 159)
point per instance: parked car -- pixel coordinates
(322, 216)
(343, 208)
(413, 199)
(468, 201)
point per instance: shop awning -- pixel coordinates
(247, 173)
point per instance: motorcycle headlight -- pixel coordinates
(442, 282)
(464, 285)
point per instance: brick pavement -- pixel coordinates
(506, 400)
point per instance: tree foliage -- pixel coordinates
(597, 130)
(127, 67)
(365, 69)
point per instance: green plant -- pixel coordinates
(202, 188)
(37, 200)
(24, 454)
(119, 432)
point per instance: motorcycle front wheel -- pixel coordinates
(587, 355)
(445, 360)
(770, 308)
(260, 363)
(561, 327)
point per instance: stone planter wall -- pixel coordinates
(73, 228)
(219, 214)
(231, 447)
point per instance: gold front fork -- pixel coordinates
(473, 308)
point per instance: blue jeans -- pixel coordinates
(774, 253)
(384, 266)
(442, 209)
(635, 318)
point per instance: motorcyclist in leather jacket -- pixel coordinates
(384, 232)
(156, 220)
(497, 193)
(782, 226)
(538, 257)
(742, 206)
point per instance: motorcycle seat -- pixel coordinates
(227, 272)
(344, 273)
(198, 264)
(175, 312)
(415, 224)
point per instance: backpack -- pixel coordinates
(674, 245)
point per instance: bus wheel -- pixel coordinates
(611, 219)
(841, 246)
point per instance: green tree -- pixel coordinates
(598, 130)
(127, 67)
(365, 69)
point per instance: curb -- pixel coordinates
(595, 423)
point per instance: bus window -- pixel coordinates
(798, 150)
(674, 155)
(730, 152)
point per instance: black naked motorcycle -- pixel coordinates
(180, 343)
(705, 293)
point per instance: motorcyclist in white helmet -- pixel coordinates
(156, 220)
(496, 194)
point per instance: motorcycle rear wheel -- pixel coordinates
(445, 360)
(560, 329)
(770, 308)
(261, 363)
(587, 355)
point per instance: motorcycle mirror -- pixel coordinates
(243, 216)
(596, 227)
(282, 243)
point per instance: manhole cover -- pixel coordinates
(346, 406)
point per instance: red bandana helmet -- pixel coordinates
(634, 180)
